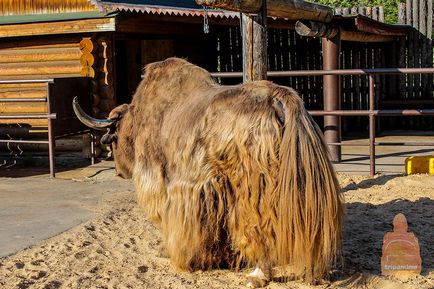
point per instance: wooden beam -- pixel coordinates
(23, 108)
(31, 122)
(366, 24)
(37, 55)
(289, 9)
(315, 29)
(60, 27)
(364, 37)
(23, 94)
(319, 29)
(11, 70)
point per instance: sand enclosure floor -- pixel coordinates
(120, 248)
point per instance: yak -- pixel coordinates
(234, 176)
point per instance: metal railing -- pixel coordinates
(49, 116)
(371, 112)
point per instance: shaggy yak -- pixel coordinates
(234, 176)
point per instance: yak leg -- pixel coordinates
(259, 277)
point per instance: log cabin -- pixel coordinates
(102, 45)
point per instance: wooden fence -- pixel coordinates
(376, 13)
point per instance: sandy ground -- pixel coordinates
(120, 248)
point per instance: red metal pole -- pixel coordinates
(371, 125)
(332, 95)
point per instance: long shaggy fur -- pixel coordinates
(234, 175)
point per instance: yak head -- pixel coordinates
(118, 134)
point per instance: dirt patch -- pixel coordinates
(122, 249)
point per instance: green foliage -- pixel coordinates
(390, 6)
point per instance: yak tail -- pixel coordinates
(310, 209)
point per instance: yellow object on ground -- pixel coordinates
(419, 165)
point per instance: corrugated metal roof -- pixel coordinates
(52, 17)
(162, 7)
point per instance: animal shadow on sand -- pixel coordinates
(367, 183)
(366, 225)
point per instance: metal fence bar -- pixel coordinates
(375, 71)
(415, 144)
(371, 112)
(28, 116)
(21, 81)
(371, 125)
(50, 134)
(23, 100)
(49, 116)
(381, 112)
(24, 141)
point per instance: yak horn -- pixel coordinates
(98, 124)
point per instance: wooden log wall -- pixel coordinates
(30, 59)
(22, 7)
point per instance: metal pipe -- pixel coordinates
(332, 95)
(23, 141)
(381, 112)
(50, 135)
(92, 147)
(14, 81)
(23, 100)
(29, 116)
(347, 144)
(415, 144)
(333, 72)
(339, 112)
(371, 126)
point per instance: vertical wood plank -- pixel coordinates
(423, 44)
(375, 13)
(429, 51)
(354, 11)
(381, 13)
(410, 48)
(403, 52)
(255, 46)
(415, 11)
(369, 12)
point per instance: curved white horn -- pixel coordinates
(98, 124)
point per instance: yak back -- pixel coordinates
(178, 110)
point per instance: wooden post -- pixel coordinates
(430, 46)
(254, 34)
(332, 95)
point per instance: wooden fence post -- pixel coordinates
(254, 35)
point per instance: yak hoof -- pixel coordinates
(256, 279)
